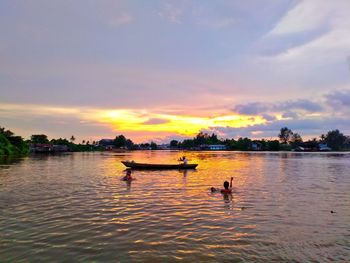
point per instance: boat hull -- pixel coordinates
(148, 166)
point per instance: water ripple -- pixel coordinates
(76, 208)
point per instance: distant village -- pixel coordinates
(287, 141)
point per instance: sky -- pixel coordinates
(161, 70)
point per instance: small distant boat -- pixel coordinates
(153, 166)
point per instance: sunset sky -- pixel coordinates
(161, 70)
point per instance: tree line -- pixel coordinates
(121, 142)
(287, 140)
(10, 144)
(333, 139)
(84, 146)
(241, 144)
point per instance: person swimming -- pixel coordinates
(227, 188)
(128, 176)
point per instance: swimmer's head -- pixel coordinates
(226, 184)
(213, 189)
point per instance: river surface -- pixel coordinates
(285, 207)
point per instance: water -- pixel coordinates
(75, 208)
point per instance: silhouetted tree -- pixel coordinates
(60, 141)
(231, 144)
(285, 135)
(187, 144)
(347, 142)
(296, 140)
(311, 144)
(322, 138)
(201, 138)
(273, 145)
(153, 146)
(39, 138)
(243, 144)
(213, 139)
(335, 139)
(174, 143)
(145, 145)
(6, 133)
(129, 144)
(10, 144)
(119, 141)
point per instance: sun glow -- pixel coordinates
(140, 123)
(127, 120)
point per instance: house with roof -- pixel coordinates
(323, 147)
(213, 147)
(107, 144)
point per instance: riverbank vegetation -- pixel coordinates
(40, 142)
(10, 144)
(287, 141)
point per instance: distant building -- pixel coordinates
(47, 148)
(313, 147)
(60, 148)
(300, 149)
(213, 147)
(144, 147)
(323, 147)
(109, 147)
(41, 147)
(107, 144)
(256, 146)
(163, 146)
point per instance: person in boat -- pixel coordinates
(226, 190)
(184, 160)
(128, 176)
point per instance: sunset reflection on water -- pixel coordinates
(77, 206)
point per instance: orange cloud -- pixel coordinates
(131, 120)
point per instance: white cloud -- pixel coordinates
(288, 108)
(331, 18)
(329, 48)
(307, 128)
(307, 49)
(339, 101)
(306, 15)
(311, 117)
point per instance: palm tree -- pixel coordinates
(72, 139)
(323, 137)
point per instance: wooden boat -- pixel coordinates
(154, 166)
